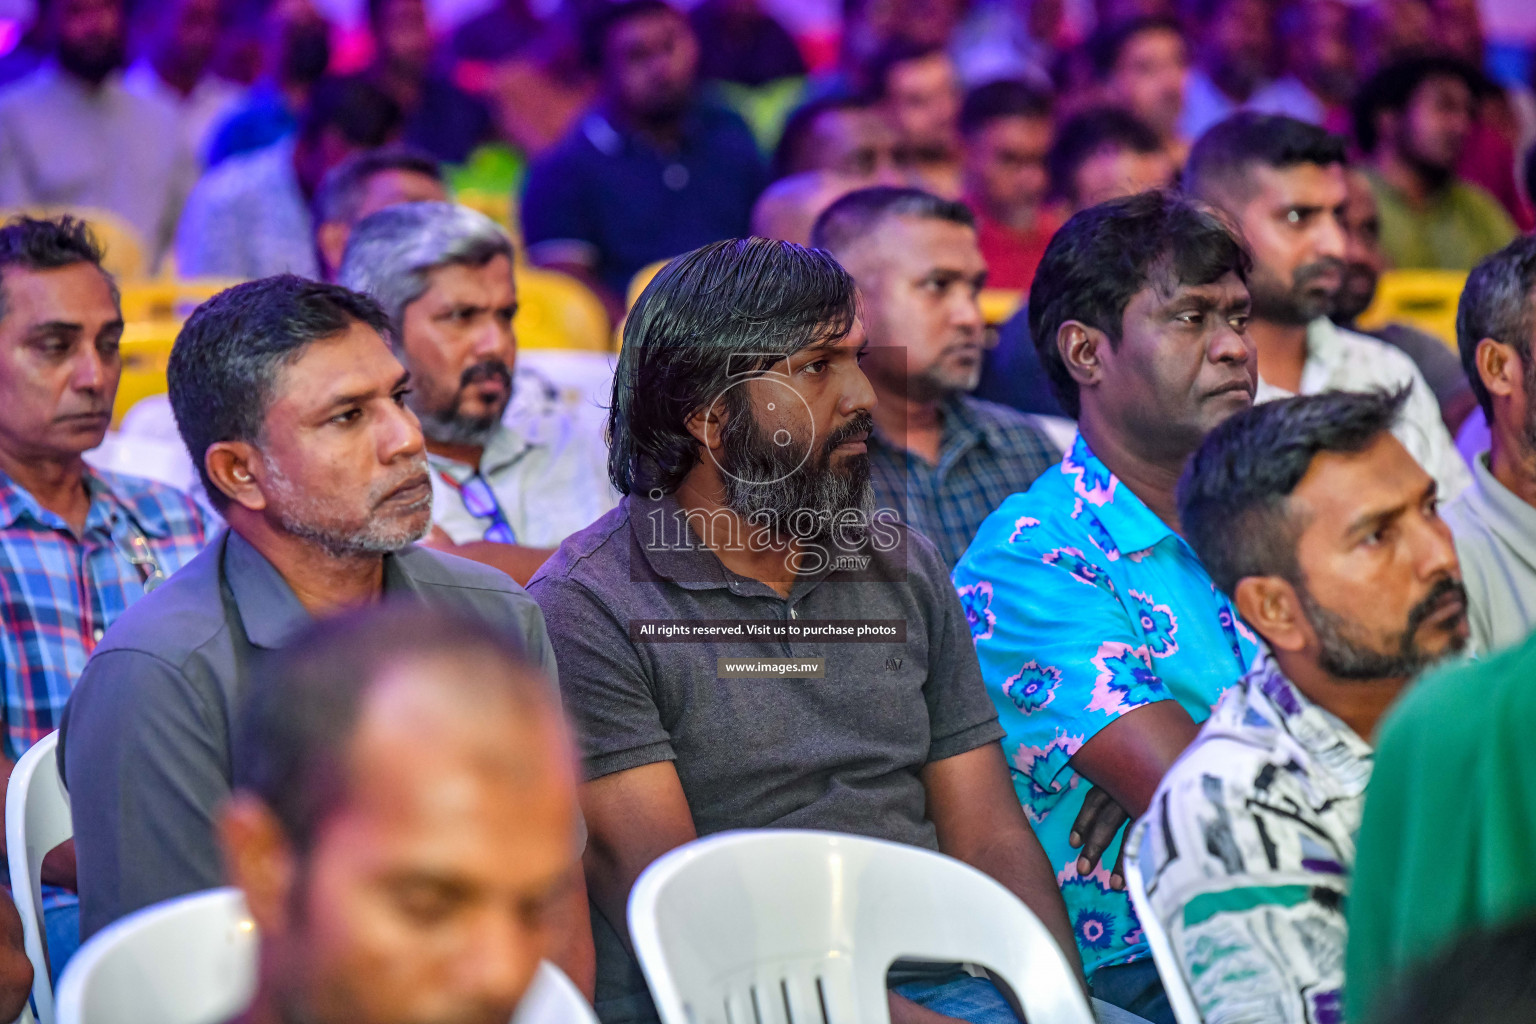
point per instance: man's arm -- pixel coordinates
(15, 968)
(145, 760)
(633, 817)
(978, 819)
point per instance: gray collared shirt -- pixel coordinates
(146, 738)
(1495, 535)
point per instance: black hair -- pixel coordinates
(898, 51)
(604, 16)
(1108, 42)
(1234, 495)
(225, 362)
(1498, 302)
(48, 243)
(710, 319)
(1100, 258)
(858, 213)
(358, 110)
(1219, 162)
(1089, 133)
(789, 155)
(294, 731)
(1392, 89)
(1006, 97)
(1482, 976)
(341, 191)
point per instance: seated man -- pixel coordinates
(1282, 181)
(942, 460)
(362, 185)
(293, 409)
(443, 274)
(1102, 640)
(739, 422)
(376, 899)
(77, 545)
(1005, 132)
(1322, 529)
(1494, 520)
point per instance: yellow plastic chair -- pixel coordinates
(555, 310)
(999, 304)
(126, 255)
(1425, 299)
(146, 354)
(638, 283)
(164, 298)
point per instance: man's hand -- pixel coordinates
(1097, 824)
(59, 866)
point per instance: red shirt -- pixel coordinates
(1013, 255)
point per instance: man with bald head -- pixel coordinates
(941, 458)
(404, 824)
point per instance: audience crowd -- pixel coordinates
(1048, 342)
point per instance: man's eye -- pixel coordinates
(1191, 318)
(1239, 323)
(350, 416)
(815, 367)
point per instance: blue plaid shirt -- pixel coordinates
(986, 452)
(59, 593)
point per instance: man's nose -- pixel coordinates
(89, 372)
(1330, 240)
(400, 436)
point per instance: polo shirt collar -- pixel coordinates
(1322, 733)
(1130, 523)
(1502, 510)
(693, 566)
(270, 611)
(503, 448)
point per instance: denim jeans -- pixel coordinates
(1135, 987)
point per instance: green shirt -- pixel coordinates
(1460, 225)
(1448, 840)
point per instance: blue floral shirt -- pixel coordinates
(1084, 605)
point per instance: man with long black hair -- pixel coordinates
(698, 625)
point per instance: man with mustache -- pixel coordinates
(942, 459)
(294, 410)
(1102, 641)
(507, 487)
(1324, 532)
(77, 545)
(1282, 181)
(695, 623)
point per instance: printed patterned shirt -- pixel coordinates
(1084, 605)
(987, 452)
(1253, 846)
(59, 593)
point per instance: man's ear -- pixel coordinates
(706, 423)
(235, 469)
(1500, 367)
(1080, 347)
(258, 860)
(1271, 606)
(331, 240)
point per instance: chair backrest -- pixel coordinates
(191, 960)
(553, 999)
(146, 351)
(555, 310)
(1426, 299)
(36, 820)
(1180, 998)
(790, 927)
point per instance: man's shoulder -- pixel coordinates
(242, 177)
(159, 503)
(438, 573)
(176, 619)
(592, 557)
(1373, 362)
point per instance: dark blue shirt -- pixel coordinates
(607, 197)
(261, 121)
(1013, 374)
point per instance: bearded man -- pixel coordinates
(510, 480)
(698, 624)
(293, 409)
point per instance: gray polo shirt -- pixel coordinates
(1495, 535)
(842, 752)
(145, 740)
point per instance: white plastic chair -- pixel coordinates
(36, 820)
(793, 927)
(1180, 998)
(190, 960)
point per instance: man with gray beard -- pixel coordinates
(743, 644)
(293, 409)
(509, 480)
(941, 458)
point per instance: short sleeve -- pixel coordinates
(1422, 431)
(146, 761)
(606, 693)
(960, 716)
(1058, 650)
